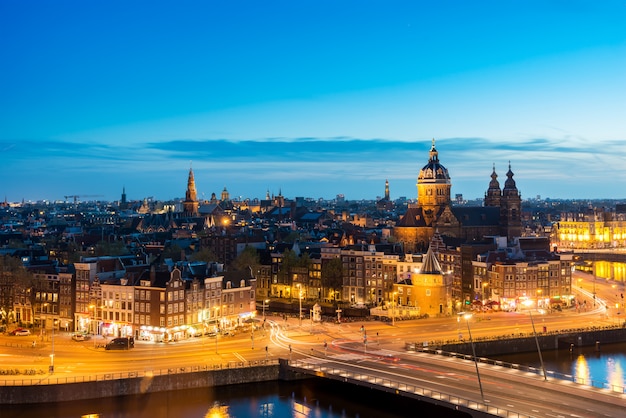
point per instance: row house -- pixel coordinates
(91, 274)
(542, 281)
(165, 306)
(369, 274)
(292, 281)
(45, 297)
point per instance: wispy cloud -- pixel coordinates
(326, 165)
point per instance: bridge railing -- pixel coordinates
(530, 369)
(408, 389)
(32, 377)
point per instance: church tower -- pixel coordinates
(433, 186)
(511, 208)
(494, 194)
(123, 201)
(191, 204)
(225, 195)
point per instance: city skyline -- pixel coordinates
(310, 99)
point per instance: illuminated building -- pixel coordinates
(500, 215)
(597, 229)
(426, 289)
(524, 271)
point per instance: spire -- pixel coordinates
(430, 264)
(190, 205)
(494, 179)
(434, 155)
(509, 184)
(493, 195)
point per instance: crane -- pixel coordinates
(76, 196)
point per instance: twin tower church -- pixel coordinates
(499, 216)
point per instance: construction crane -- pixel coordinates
(76, 196)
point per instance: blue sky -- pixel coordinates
(311, 98)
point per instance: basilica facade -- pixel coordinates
(500, 214)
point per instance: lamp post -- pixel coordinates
(252, 333)
(594, 284)
(528, 304)
(469, 331)
(393, 309)
(543, 369)
(300, 303)
(52, 355)
(264, 302)
(217, 330)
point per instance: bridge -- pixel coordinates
(461, 384)
(599, 255)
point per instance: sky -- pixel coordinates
(310, 98)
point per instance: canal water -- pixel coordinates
(318, 398)
(313, 398)
(603, 366)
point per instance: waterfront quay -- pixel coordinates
(379, 368)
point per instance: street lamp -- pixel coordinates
(52, 355)
(264, 302)
(217, 333)
(300, 303)
(543, 369)
(469, 331)
(393, 309)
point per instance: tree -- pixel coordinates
(332, 274)
(205, 254)
(14, 278)
(174, 252)
(304, 260)
(248, 258)
(289, 261)
(116, 248)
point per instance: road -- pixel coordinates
(72, 358)
(439, 377)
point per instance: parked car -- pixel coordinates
(121, 343)
(78, 337)
(20, 332)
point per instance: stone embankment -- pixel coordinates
(525, 343)
(45, 390)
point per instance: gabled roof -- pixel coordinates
(412, 218)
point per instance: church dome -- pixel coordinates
(434, 170)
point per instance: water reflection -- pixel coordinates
(217, 411)
(586, 365)
(581, 370)
(615, 373)
(311, 398)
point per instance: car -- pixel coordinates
(120, 343)
(20, 332)
(78, 337)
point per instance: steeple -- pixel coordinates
(190, 205)
(494, 194)
(509, 184)
(511, 208)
